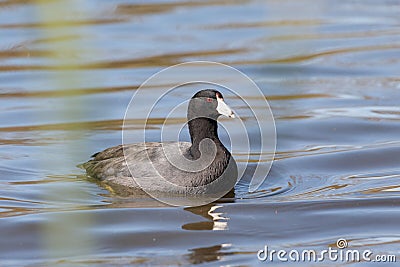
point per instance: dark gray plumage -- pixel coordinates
(215, 168)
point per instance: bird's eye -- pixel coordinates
(209, 99)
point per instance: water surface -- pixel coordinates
(330, 70)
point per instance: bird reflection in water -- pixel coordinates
(208, 254)
(216, 219)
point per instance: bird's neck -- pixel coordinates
(202, 128)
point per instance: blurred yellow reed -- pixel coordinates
(63, 232)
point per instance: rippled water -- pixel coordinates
(330, 70)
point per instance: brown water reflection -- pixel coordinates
(215, 221)
(330, 70)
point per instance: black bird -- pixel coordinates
(203, 166)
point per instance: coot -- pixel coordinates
(200, 167)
